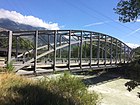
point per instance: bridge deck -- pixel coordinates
(79, 44)
(62, 68)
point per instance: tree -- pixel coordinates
(128, 10)
(137, 53)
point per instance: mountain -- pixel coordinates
(14, 26)
(6, 24)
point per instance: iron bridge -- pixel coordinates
(64, 49)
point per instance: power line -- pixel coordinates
(93, 16)
(107, 17)
(104, 15)
(85, 12)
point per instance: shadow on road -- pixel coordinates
(101, 76)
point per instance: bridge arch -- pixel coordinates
(101, 49)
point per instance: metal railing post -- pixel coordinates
(111, 52)
(121, 53)
(116, 51)
(85, 48)
(81, 43)
(124, 54)
(98, 52)
(60, 45)
(48, 46)
(105, 50)
(78, 49)
(35, 50)
(17, 47)
(54, 60)
(90, 50)
(9, 47)
(69, 52)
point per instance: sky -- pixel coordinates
(91, 15)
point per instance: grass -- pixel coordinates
(64, 90)
(10, 67)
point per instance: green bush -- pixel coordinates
(64, 90)
(72, 89)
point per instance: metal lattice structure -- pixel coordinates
(66, 48)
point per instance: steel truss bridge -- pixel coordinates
(53, 49)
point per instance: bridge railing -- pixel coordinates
(66, 46)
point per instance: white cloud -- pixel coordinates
(94, 24)
(29, 20)
(132, 45)
(138, 20)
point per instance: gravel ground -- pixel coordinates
(114, 92)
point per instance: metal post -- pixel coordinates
(60, 45)
(105, 50)
(98, 52)
(111, 52)
(69, 52)
(54, 60)
(23, 58)
(85, 49)
(116, 51)
(102, 52)
(131, 55)
(9, 47)
(48, 45)
(48, 42)
(35, 50)
(81, 41)
(90, 50)
(128, 55)
(17, 47)
(78, 49)
(121, 53)
(124, 54)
